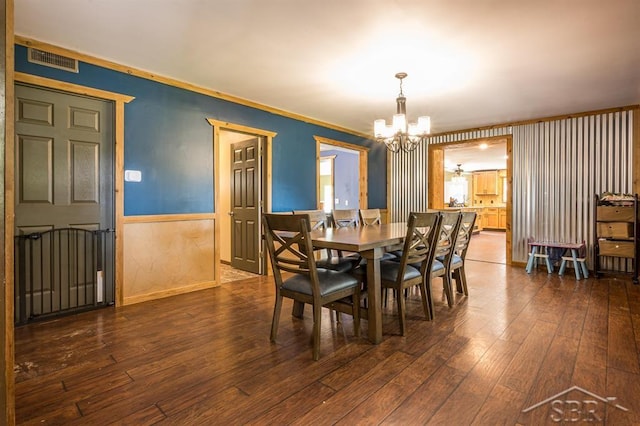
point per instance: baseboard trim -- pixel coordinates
(168, 293)
(169, 218)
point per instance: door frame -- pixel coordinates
(332, 159)
(119, 100)
(436, 179)
(265, 182)
(363, 178)
(7, 380)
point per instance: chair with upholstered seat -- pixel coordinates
(290, 250)
(456, 266)
(345, 218)
(413, 269)
(449, 225)
(370, 217)
(318, 220)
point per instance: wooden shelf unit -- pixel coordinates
(617, 234)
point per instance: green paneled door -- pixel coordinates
(64, 179)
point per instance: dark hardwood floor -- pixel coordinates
(205, 358)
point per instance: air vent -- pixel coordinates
(54, 60)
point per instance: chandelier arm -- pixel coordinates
(410, 143)
(392, 144)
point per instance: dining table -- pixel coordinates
(370, 242)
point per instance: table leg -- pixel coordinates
(549, 265)
(298, 309)
(374, 294)
(563, 265)
(576, 266)
(532, 257)
(585, 271)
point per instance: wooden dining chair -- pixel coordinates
(456, 267)
(445, 247)
(415, 264)
(370, 217)
(318, 220)
(345, 218)
(290, 250)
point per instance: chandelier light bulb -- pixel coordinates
(399, 123)
(379, 128)
(424, 124)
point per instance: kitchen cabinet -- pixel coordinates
(493, 217)
(502, 218)
(485, 183)
(491, 214)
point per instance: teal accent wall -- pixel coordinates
(169, 140)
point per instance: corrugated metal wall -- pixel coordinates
(558, 167)
(408, 183)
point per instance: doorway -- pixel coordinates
(476, 175)
(64, 204)
(242, 188)
(341, 175)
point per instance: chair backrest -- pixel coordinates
(370, 217)
(449, 225)
(420, 242)
(317, 218)
(289, 245)
(345, 218)
(464, 233)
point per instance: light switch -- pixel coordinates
(132, 176)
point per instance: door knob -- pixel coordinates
(230, 213)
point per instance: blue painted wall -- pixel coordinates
(168, 138)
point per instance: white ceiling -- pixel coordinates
(476, 156)
(470, 62)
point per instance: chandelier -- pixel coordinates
(401, 135)
(457, 175)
